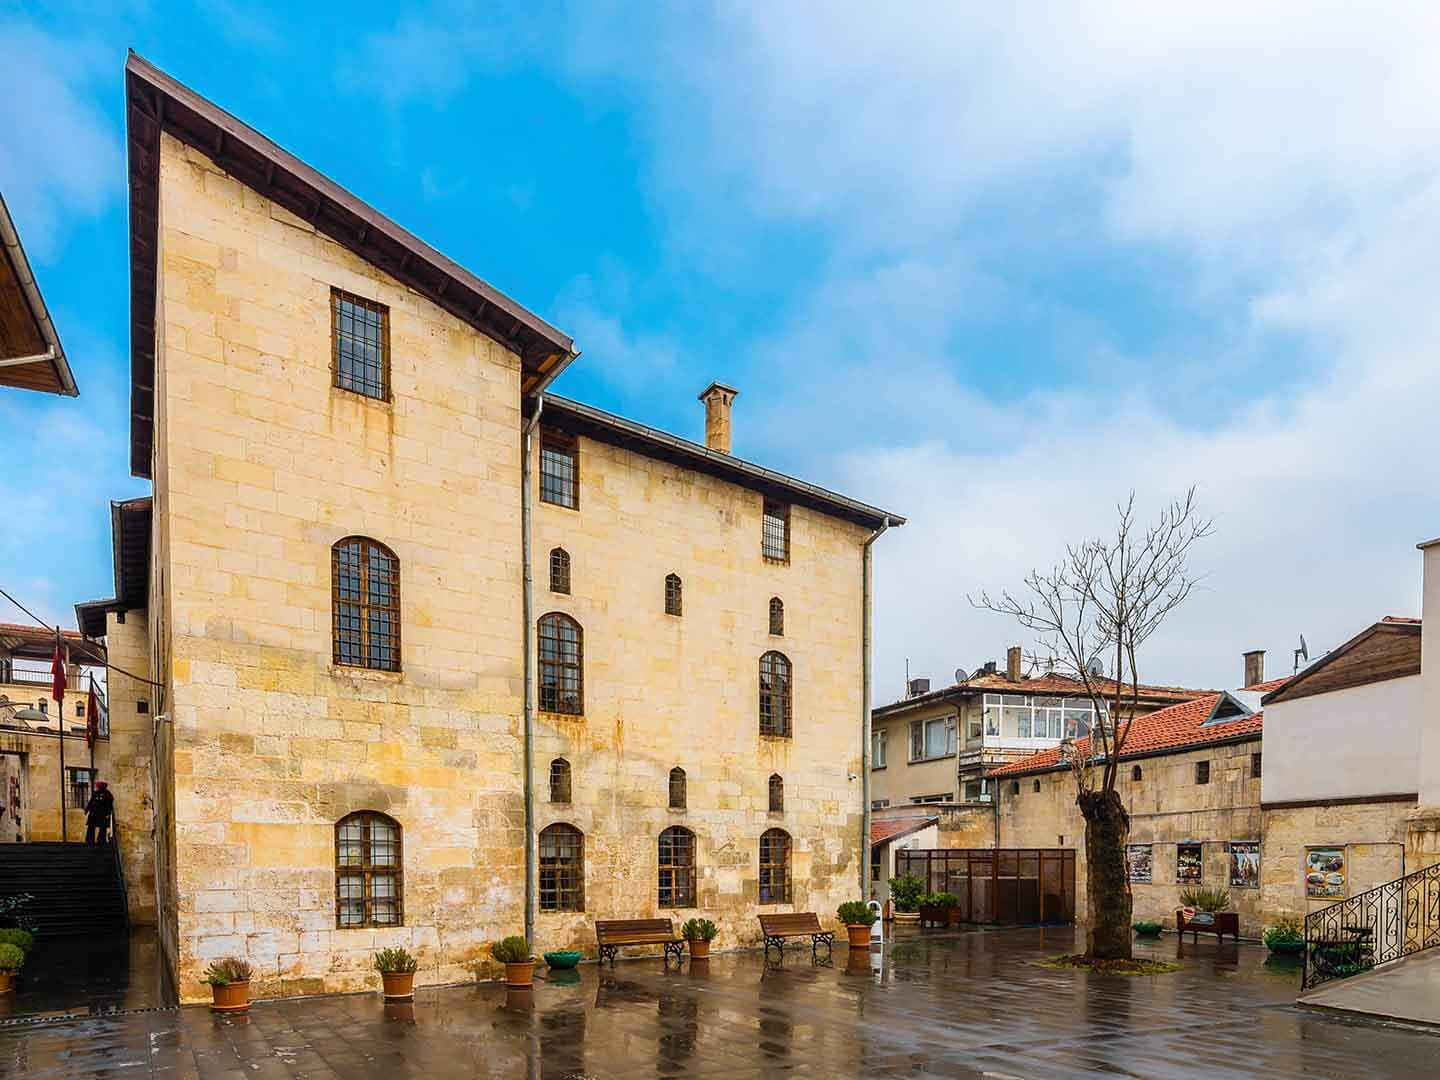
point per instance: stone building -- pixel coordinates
(433, 656)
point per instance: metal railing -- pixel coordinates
(1385, 923)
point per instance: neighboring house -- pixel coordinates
(901, 831)
(31, 356)
(383, 571)
(939, 746)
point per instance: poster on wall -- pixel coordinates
(1138, 858)
(1245, 864)
(1189, 864)
(1325, 873)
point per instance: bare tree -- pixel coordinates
(1101, 602)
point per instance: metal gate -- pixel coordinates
(1004, 885)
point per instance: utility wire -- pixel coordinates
(83, 645)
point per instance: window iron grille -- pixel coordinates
(677, 868)
(369, 872)
(360, 334)
(777, 794)
(560, 571)
(559, 781)
(777, 616)
(775, 532)
(677, 788)
(562, 868)
(775, 867)
(562, 665)
(775, 694)
(365, 593)
(674, 596)
(559, 470)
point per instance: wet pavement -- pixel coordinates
(89, 976)
(959, 1005)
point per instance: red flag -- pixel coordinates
(57, 677)
(92, 722)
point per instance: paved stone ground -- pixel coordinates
(961, 1005)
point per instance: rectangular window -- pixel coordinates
(1255, 766)
(559, 470)
(877, 749)
(974, 728)
(879, 804)
(1202, 772)
(775, 536)
(932, 738)
(945, 797)
(360, 336)
(81, 787)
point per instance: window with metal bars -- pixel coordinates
(775, 533)
(560, 571)
(360, 339)
(674, 595)
(777, 794)
(677, 788)
(775, 867)
(562, 868)
(677, 868)
(559, 469)
(562, 665)
(775, 694)
(777, 616)
(369, 871)
(1202, 772)
(365, 588)
(82, 786)
(559, 781)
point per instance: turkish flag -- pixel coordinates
(57, 676)
(92, 721)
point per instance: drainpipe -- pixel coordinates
(529, 615)
(865, 588)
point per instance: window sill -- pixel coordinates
(558, 505)
(773, 561)
(348, 671)
(926, 760)
(877, 768)
(559, 715)
(775, 735)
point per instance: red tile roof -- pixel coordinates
(1407, 620)
(883, 829)
(1165, 731)
(1268, 685)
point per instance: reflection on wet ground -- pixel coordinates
(954, 1005)
(89, 976)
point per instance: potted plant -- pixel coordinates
(936, 907)
(229, 980)
(905, 893)
(21, 939)
(699, 933)
(1207, 909)
(858, 917)
(514, 953)
(12, 957)
(1286, 937)
(1147, 928)
(397, 973)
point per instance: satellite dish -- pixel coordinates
(961, 676)
(1302, 653)
(1096, 668)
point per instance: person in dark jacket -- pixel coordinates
(97, 814)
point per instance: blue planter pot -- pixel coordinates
(564, 959)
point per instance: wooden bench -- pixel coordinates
(777, 928)
(1226, 922)
(612, 934)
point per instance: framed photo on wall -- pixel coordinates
(1141, 863)
(1325, 873)
(1244, 864)
(1189, 864)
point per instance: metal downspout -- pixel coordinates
(865, 589)
(529, 615)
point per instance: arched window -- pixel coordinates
(560, 780)
(560, 570)
(1014, 787)
(673, 595)
(1037, 787)
(677, 788)
(777, 793)
(777, 616)
(1135, 773)
(369, 871)
(775, 867)
(365, 603)
(562, 663)
(562, 868)
(677, 868)
(775, 694)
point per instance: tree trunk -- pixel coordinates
(1107, 880)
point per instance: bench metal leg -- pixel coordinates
(776, 943)
(607, 952)
(677, 949)
(826, 938)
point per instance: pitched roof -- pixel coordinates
(1386, 649)
(1180, 727)
(884, 829)
(998, 683)
(31, 356)
(155, 102)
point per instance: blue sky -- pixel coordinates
(990, 269)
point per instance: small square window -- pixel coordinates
(1202, 772)
(360, 334)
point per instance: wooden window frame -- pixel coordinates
(560, 444)
(782, 697)
(776, 786)
(676, 878)
(367, 869)
(364, 604)
(777, 865)
(679, 789)
(561, 780)
(337, 297)
(674, 595)
(777, 617)
(774, 509)
(551, 697)
(562, 881)
(560, 571)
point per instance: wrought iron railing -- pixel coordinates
(1382, 924)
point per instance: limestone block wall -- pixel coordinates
(39, 757)
(1372, 836)
(261, 467)
(129, 752)
(663, 691)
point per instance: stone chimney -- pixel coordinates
(1012, 663)
(1254, 667)
(717, 398)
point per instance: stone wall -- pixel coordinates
(1371, 834)
(128, 753)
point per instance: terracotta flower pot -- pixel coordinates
(699, 949)
(521, 974)
(7, 981)
(859, 936)
(399, 985)
(232, 997)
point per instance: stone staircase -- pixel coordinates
(76, 889)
